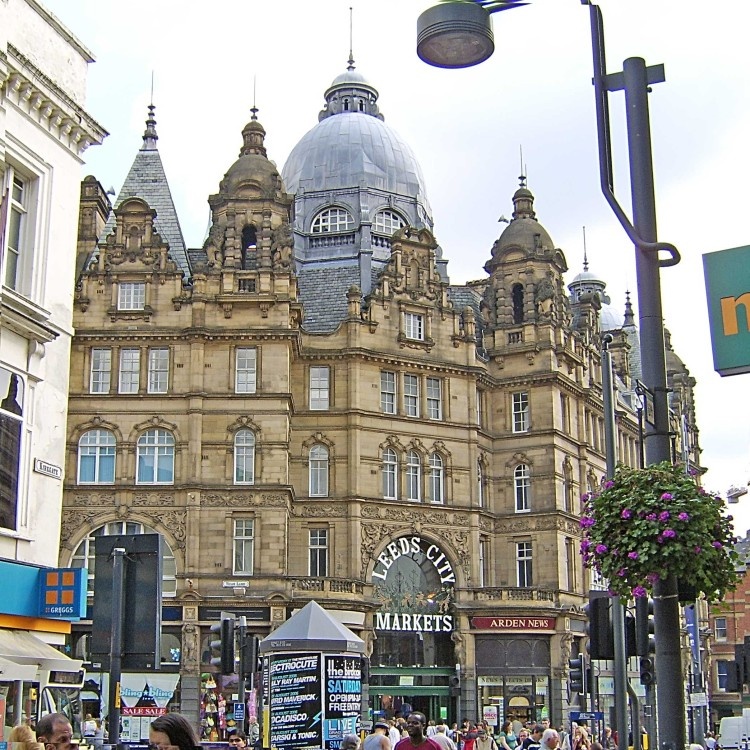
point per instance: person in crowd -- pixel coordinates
(89, 726)
(534, 740)
(710, 741)
(442, 738)
(523, 735)
(394, 733)
(608, 740)
(581, 739)
(237, 738)
(416, 724)
(23, 734)
(468, 736)
(172, 730)
(506, 737)
(431, 728)
(378, 740)
(350, 742)
(545, 724)
(54, 731)
(484, 741)
(550, 739)
(253, 731)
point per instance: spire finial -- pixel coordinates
(522, 176)
(585, 256)
(149, 135)
(254, 109)
(629, 316)
(152, 87)
(351, 41)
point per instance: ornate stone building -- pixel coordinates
(307, 408)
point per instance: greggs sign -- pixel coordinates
(513, 623)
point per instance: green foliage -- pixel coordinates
(649, 523)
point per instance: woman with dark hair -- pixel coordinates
(172, 730)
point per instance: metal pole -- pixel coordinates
(115, 647)
(242, 669)
(618, 608)
(636, 718)
(670, 704)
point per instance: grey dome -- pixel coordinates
(354, 149)
(610, 319)
(525, 233)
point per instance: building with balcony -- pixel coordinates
(307, 408)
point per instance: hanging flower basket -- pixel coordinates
(647, 524)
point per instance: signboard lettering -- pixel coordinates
(343, 698)
(513, 623)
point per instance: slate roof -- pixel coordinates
(147, 180)
(322, 291)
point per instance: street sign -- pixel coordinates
(239, 712)
(698, 699)
(587, 715)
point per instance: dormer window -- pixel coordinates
(346, 105)
(332, 220)
(361, 105)
(387, 222)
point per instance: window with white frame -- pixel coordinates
(521, 487)
(320, 378)
(520, 412)
(332, 221)
(387, 222)
(244, 457)
(83, 557)
(155, 457)
(414, 326)
(101, 370)
(523, 564)
(437, 478)
(243, 542)
(318, 552)
(17, 231)
(245, 369)
(131, 295)
(434, 398)
(96, 457)
(720, 628)
(12, 391)
(390, 474)
(158, 370)
(130, 370)
(388, 392)
(722, 674)
(413, 476)
(319, 471)
(482, 562)
(571, 556)
(411, 395)
(480, 483)
(480, 407)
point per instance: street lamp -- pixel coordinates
(458, 33)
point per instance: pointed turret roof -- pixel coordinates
(148, 181)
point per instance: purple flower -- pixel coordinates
(639, 591)
(585, 545)
(683, 516)
(669, 533)
(717, 545)
(697, 549)
(664, 515)
(600, 549)
(609, 484)
(652, 578)
(586, 522)
(585, 497)
(625, 514)
(651, 517)
(666, 496)
(633, 555)
(622, 572)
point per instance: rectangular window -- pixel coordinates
(523, 564)
(245, 370)
(571, 555)
(318, 549)
(565, 413)
(130, 370)
(16, 231)
(244, 537)
(434, 398)
(131, 295)
(720, 628)
(520, 412)
(101, 370)
(482, 562)
(480, 407)
(388, 392)
(722, 674)
(414, 326)
(158, 370)
(11, 435)
(319, 387)
(411, 395)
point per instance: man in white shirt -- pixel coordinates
(442, 738)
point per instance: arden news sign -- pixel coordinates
(513, 623)
(414, 581)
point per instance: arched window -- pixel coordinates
(332, 220)
(319, 471)
(83, 557)
(249, 242)
(517, 298)
(387, 222)
(155, 457)
(390, 474)
(413, 476)
(522, 484)
(244, 457)
(96, 457)
(437, 479)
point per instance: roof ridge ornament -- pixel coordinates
(149, 135)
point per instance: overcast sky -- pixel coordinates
(467, 128)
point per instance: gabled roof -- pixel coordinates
(147, 180)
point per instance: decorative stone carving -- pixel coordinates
(265, 499)
(190, 646)
(337, 510)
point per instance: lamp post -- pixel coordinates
(458, 33)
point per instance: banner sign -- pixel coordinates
(343, 698)
(513, 623)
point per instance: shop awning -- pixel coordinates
(10, 671)
(21, 647)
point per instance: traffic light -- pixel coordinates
(644, 626)
(250, 655)
(601, 642)
(224, 646)
(648, 670)
(577, 674)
